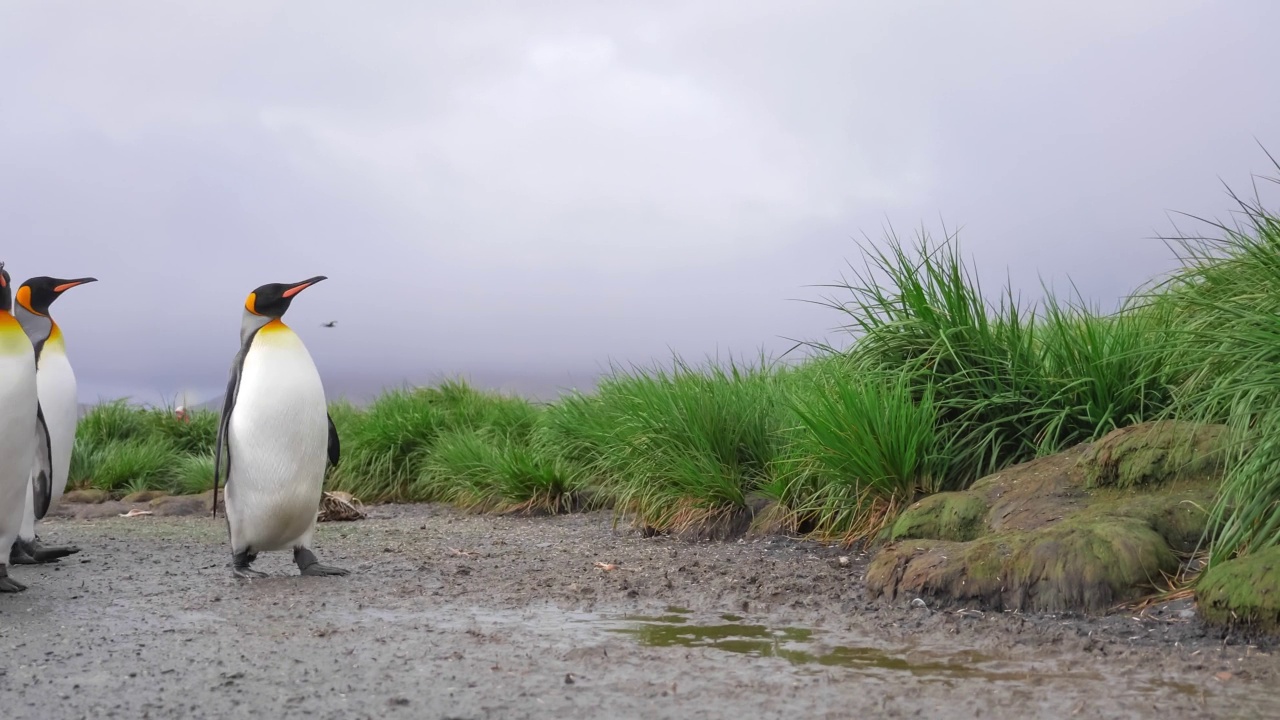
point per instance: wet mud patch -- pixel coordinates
(454, 615)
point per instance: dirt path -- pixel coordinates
(452, 616)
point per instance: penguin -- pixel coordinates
(276, 434)
(25, 454)
(56, 388)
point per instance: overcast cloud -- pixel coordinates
(525, 191)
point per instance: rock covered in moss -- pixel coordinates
(944, 516)
(1043, 536)
(89, 496)
(1077, 565)
(1153, 454)
(183, 505)
(108, 509)
(1244, 592)
(143, 496)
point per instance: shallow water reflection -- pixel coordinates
(797, 645)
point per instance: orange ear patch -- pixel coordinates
(24, 297)
(251, 302)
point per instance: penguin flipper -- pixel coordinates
(335, 449)
(224, 421)
(42, 472)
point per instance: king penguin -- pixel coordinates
(25, 457)
(56, 388)
(277, 435)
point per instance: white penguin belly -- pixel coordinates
(278, 436)
(56, 387)
(56, 384)
(17, 441)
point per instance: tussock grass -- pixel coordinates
(133, 465)
(863, 447)
(112, 422)
(193, 475)
(1226, 351)
(680, 447)
(482, 471)
(195, 435)
(385, 447)
(1008, 380)
(382, 452)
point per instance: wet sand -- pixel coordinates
(447, 615)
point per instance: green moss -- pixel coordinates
(1090, 565)
(1152, 454)
(955, 516)
(1243, 592)
(1087, 565)
(1180, 517)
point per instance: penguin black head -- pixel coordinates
(38, 293)
(273, 299)
(6, 290)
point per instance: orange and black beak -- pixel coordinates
(65, 285)
(296, 288)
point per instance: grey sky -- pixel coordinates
(523, 191)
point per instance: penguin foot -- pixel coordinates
(309, 565)
(240, 565)
(20, 554)
(50, 553)
(8, 584)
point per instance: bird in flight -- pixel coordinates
(331, 323)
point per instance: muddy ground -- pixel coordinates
(447, 615)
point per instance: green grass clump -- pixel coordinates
(193, 475)
(196, 435)
(482, 471)
(112, 422)
(864, 446)
(134, 465)
(1226, 298)
(381, 453)
(124, 448)
(1008, 381)
(677, 448)
(385, 447)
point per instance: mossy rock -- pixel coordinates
(90, 496)
(1180, 517)
(1244, 592)
(1040, 536)
(143, 496)
(1076, 565)
(1034, 494)
(1153, 454)
(957, 516)
(184, 504)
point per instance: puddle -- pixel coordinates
(806, 650)
(798, 646)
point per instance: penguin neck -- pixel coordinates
(40, 329)
(13, 340)
(251, 323)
